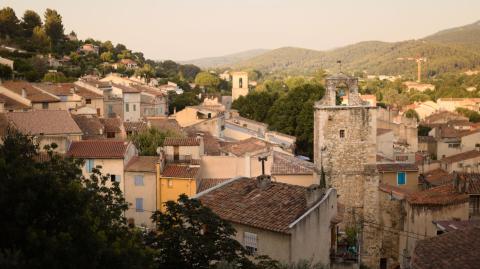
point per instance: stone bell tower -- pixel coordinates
(345, 148)
(239, 84)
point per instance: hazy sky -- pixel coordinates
(187, 29)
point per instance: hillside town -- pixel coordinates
(112, 160)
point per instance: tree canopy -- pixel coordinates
(149, 140)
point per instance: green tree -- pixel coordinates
(106, 56)
(180, 101)
(9, 23)
(190, 236)
(207, 80)
(255, 105)
(473, 116)
(5, 72)
(53, 25)
(412, 114)
(54, 77)
(40, 39)
(30, 20)
(53, 217)
(148, 141)
(189, 71)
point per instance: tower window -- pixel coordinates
(240, 83)
(342, 133)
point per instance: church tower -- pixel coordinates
(239, 84)
(345, 129)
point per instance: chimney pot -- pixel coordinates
(263, 181)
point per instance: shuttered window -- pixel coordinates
(250, 242)
(401, 178)
(139, 180)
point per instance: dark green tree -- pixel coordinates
(411, 113)
(5, 72)
(9, 23)
(30, 20)
(180, 101)
(148, 141)
(53, 25)
(53, 217)
(189, 235)
(255, 105)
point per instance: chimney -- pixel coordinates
(263, 181)
(314, 194)
(24, 93)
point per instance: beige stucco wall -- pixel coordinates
(109, 166)
(419, 222)
(390, 178)
(301, 180)
(96, 104)
(467, 143)
(235, 134)
(238, 91)
(133, 102)
(232, 166)
(149, 194)
(62, 141)
(275, 245)
(311, 236)
(385, 144)
(195, 152)
(469, 166)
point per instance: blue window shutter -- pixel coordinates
(139, 204)
(118, 178)
(138, 180)
(401, 178)
(90, 165)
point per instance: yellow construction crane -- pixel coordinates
(419, 61)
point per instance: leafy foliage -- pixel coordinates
(190, 235)
(53, 217)
(473, 116)
(148, 141)
(255, 105)
(180, 101)
(207, 80)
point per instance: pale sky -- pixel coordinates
(188, 29)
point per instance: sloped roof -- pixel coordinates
(125, 89)
(455, 249)
(65, 89)
(181, 141)
(207, 183)
(11, 104)
(112, 124)
(135, 126)
(461, 156)
(242, 147)
(472, 180)
(91, 126)
(438, 177)
(32, 93)
(143, 164)
(100, 149)
(47, 122)
(180, 171)
(438, 196)
(272, 208)
(284, 164)
(395, 167)
(164, 124)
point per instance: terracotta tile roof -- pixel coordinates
(284, 164)
(32, 93)
(211, 144)
(398, 192)
(249, 145)
(450, 132)
(91, 126)
(438, 177)
(273, 208)
(142, 164)
(164, 124)
(455, 249)
(100, 149)
(180, 171)
(437, 196)
(395, 167)
(443, 116)
(472, 180)
(381, 131)
(452, 225)
(180, 141)
(47, 122)
(112, 124)
(135, 126)
(149, 90)
(125, 89)
(461, 156)
(12, 104)
(207, 183)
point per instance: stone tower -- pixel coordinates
(239, 84)
(345, 147)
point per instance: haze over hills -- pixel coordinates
(226, 60)
(449, 50)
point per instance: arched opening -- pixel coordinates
(341, 94)
(240, 82)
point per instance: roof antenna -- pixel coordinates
(339, 62)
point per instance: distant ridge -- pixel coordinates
(450, 50)
(226, 60)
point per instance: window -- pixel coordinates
(383, 263)
(115, 178)
(240, 82)
(139, 204)
(139, 180)
(44, 105)
(90, 165)
(454, 145)
(63, 98)
(460, 165)
(401, 178)
(110, 109)
(170, 183)
(98, 111)
(250, 242)
(110, 134)
(134, 107)
(474, 206)
(127, 107)
(88, 101)
(342, 133)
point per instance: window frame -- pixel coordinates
(404, 178)
(139, 201)
(138, 180)
(250, 242)
(342, 133)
